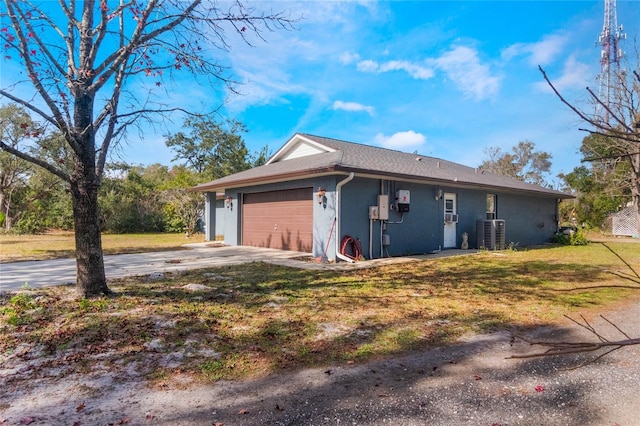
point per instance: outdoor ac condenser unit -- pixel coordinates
(490, 234)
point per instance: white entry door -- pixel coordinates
(450, 220)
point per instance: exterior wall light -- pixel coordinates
(320, 194)
(228, 203)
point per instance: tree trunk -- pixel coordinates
(90, 279)
(5, 209)
(635, 186)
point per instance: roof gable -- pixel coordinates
(299, 146)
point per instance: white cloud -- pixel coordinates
(416, 71)
(540, 53)
(574, 75)
(348, 58)
(400, 140)
(353, 106)
(368, 66)
(463, 67)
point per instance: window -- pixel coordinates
(491, 206)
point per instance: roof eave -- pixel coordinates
(448, 182)
(339, 169)
(261, 180)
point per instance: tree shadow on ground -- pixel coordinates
(466, 382)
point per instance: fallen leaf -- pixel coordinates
(217, 424)
(383, 395)
(328, 372)
(279, 408)
(477, 377)
(80, 407)
(539, 388)
(26, 420)
(149, 416)
(243, 411)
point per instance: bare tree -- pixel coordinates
(80, 61)
(619, 128)
(522, 163)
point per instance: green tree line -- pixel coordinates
(154, 198)
(132, 198)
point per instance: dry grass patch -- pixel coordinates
(254, 319)
(57, 244)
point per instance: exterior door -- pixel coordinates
(450, 220)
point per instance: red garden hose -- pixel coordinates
(350, 242)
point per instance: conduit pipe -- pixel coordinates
(338, 219)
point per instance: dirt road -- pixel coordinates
(468, 383)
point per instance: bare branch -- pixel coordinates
(35, 161)
(29, 106)
(13, 9)
(607, 127)
(566, 348)
(621, 259)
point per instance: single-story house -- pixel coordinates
(338, 199)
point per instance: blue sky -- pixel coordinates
(444, 78)
(447, 79)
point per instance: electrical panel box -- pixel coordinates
(403, 199)
(383, 207)
(373, 213)
(386, 240)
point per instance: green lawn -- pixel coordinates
(57, 244)
(254, 319)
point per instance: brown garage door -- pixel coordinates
(279, 219)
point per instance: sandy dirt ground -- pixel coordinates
(468, 383)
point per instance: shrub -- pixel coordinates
(573, 239)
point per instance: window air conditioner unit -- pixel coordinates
(451, 218)
(490, 234)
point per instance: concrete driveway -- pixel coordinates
(41, 273)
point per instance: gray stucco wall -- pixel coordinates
(529, 219)
(219, 219)
(420, 230)
(209, 217)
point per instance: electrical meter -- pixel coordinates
(403, 199)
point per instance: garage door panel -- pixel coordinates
(279, 219)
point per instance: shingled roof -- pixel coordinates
(332, 156)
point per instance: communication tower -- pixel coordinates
(610, 56)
